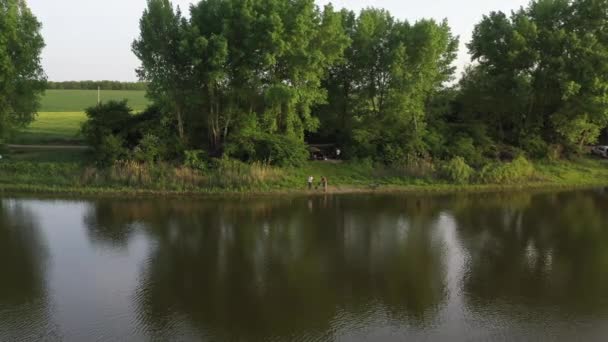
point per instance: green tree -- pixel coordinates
(541, 73)
(379, 93)
(165, 62)
(22, 79)
(239, 67)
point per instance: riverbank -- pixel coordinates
(233, 178)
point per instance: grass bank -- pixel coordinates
(72, 175)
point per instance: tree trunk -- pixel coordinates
(180, 123)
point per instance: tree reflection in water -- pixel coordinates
(548, 250)
(259, 268)
(23, 300)
(321, 267)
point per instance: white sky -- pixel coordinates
(91, 39)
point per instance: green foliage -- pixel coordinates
(457, 171)
(22, 79)
(94, 85)
(412, 167)
(535, 146)
(519, 170)
(264, 58)
(144, 136)
(270, 149)
(378, 94)
(110, 149)
(195, 159)
(540, 75)
(104, 120)
(233, 174)
(149, 150)
(464, 146)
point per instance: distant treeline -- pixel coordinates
(93, 85)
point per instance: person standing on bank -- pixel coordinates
(311, 179)
(324, 183)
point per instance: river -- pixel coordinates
(476, 267)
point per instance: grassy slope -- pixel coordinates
(79, 100)
(52, 128)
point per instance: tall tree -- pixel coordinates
(22, 79)
(165, 62)
(381, 89)
(240, 67)
(541, 73)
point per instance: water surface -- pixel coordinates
(516, 266)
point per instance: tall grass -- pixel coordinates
(228, 174)
(234, 176)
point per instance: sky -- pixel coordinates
(91, 39)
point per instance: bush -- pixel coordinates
(269, 149)
(195, 159)
(149, 150)
(535, 146)
(457, 171)
(464, 147)
(110, 150)
(520, 169)
(105, 119)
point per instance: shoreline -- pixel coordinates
(439, 189)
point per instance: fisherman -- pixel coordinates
(311, 179)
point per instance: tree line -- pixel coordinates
(94, 85)
(253, 78)
(257, 79)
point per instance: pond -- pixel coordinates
(513, 266)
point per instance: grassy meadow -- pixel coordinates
(79, 100)
(62, 113)
(52, 128)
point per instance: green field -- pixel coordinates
(62, 113)
(52, 128)
(79, 100)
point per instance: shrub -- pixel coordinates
(535, 146)
(110, 150)
(105, 119)
(195, 159)
(457, 170)
(269, 149)
(149, 150)
(464, 147)
(520, 169)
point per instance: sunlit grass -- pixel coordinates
(52, 127)
(79, 100)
